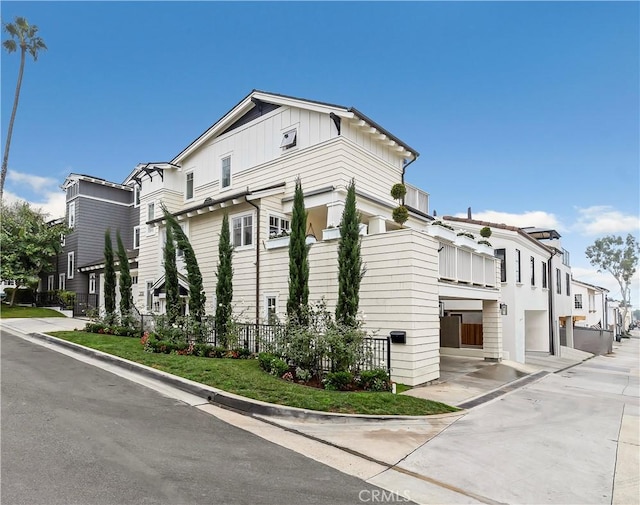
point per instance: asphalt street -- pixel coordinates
(76, 434)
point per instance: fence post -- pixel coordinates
(389, 356)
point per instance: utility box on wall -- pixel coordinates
(398, 337)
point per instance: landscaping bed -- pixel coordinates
(245, 377)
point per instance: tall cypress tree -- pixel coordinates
(224, 286)
(197, 298)
(350, 269)
(298, 260)
(109, 277)
(126, 298)
(172, 289)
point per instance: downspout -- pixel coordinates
(551, 312)
(257, 257)
(405, 165)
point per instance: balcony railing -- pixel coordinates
(461, 265)
(416, 199)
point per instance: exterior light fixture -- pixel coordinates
(503, 309)
(441, 307)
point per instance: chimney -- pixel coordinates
(468, 212)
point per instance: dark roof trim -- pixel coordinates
(380, 128)
(353, 110)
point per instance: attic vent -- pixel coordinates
(288, 139)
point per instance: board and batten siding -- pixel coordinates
(333, 163)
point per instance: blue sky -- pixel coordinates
(527, 112)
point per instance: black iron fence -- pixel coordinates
(83, 303)
(79, 303)
(375, 352)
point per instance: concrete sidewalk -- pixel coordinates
(398, 454)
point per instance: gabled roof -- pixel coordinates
(256, 96)
(598, 288)
(183, 284)
(501, 226)
(72, 178)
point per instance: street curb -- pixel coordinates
(229, 400)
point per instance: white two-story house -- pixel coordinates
(246, 165)
(535, 280)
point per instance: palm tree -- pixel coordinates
(23, 35)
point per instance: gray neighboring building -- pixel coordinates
(93, 205)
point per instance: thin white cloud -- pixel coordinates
(36, 183)
(603, 220)
(54, 205)
(536, 218)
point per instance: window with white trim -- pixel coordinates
(568, 281)
(225, 172)
(92, 284)
(518, 276)
(63, 239)
(149, 295)
(577, 300)
(50, 283)
(188, 190)
(136, 237)
(61, 281)
(592, 302)
(289, 139)
(544, 275)
(242, 230)
(136, 195)
(278, 226)
(71, 264)
(71, 212)
(558, 281)
(151, 212)
(271, 309)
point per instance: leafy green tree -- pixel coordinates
(171, 286)
(109, 278)
(298, 261)
(224, 286)
(197, 298)
(23, 36)
(29, 244)
(126, 296)
(350, 268)
(619, 257)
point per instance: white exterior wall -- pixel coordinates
(593, 304)
(524, 301)
(405, 300)
(321, 157)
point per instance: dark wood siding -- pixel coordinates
(259, 110)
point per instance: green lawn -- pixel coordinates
(246, 378)
(7, 312)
